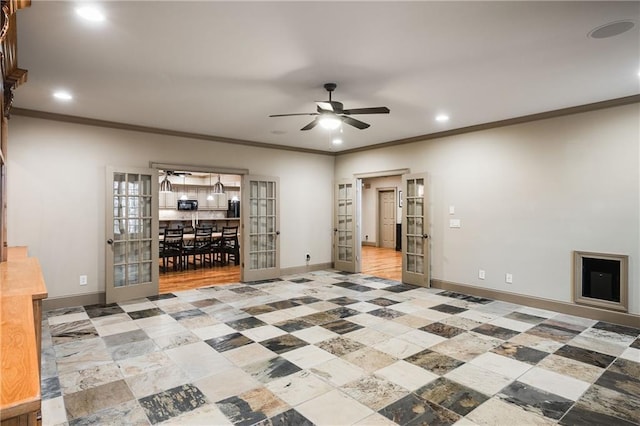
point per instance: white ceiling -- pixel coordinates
(221, 68)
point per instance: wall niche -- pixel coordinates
(601, 280)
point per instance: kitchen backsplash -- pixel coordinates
(171, 214)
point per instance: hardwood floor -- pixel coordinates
(381, 262)
(186, 280)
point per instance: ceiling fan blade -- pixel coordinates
(353, 122)
(373, 110)
(333, 106)
(312, 124)
(298, 113)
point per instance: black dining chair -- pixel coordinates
(201, 248)
(172, 249)
(229, 246)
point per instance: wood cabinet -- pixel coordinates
(167, 200)
(218, 201)
(187, 192)
(22, 289)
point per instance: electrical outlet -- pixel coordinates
(308, 257)
(83, 280)
(508, 278)
(481, 274)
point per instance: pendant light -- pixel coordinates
(165, 185)
(184, 183)
(218, 187)
(210, 196)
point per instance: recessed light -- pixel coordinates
(611, 29)
(62, 95)
(90, 13)
(442, 118)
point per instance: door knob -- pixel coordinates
(109, 241)
(425, 236)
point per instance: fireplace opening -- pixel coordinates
(600, 280)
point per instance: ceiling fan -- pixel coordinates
(331, 113)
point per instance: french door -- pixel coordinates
(346, 229)
(131, 233)
(415, 223)
(260, 228)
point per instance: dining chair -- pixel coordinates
(229, 248)
(200, 250)
(172, 249)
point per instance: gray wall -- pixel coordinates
(56, 175)
(527, 196)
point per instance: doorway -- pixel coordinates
(216, 191)
(411, 206)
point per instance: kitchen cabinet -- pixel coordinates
(167, 200)
(191, 192)
(219, 201)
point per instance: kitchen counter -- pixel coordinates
(188, 224)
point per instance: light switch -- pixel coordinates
(454, 223)
(452, 209)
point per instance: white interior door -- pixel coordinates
(346, 230)
(415, 237)
(260, 228)
(131, 233)
(387, 218)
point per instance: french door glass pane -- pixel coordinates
(118, 252)
(118, 276)
(145, 271)
(146, 228)
(119, 187)
(133, 252)
(119, 229)
(146, 249)
(133, 276)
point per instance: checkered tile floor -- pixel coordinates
(328, 348)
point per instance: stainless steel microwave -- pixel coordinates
(188, 205)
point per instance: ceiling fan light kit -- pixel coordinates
(330, 122)
(330, 114)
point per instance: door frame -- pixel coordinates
(380, 173)
(377, 174)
